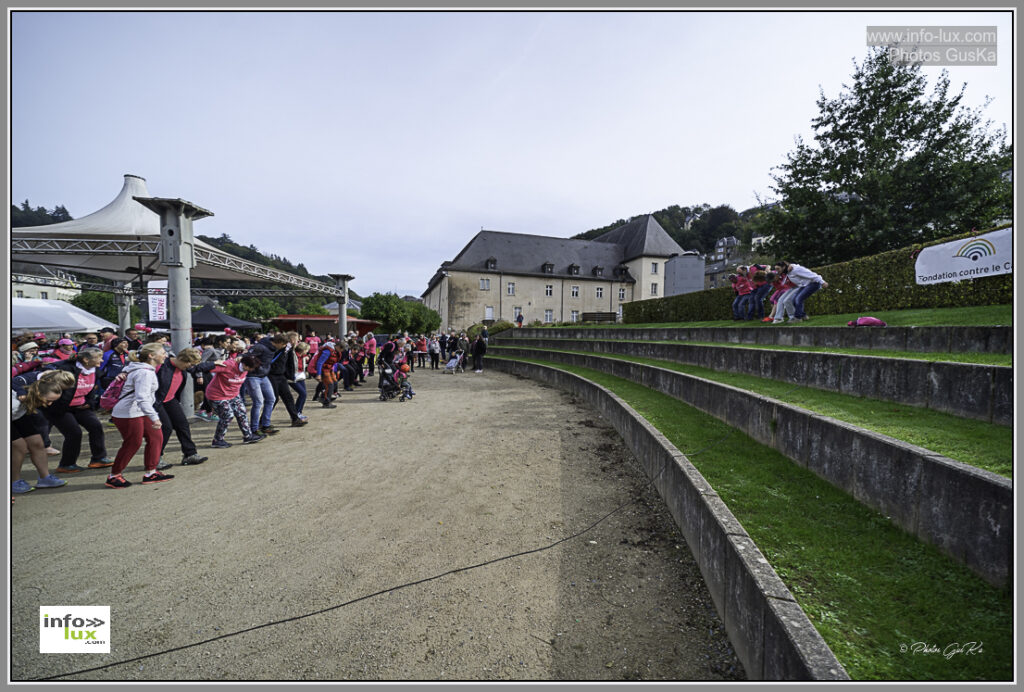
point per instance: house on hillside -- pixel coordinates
(499, 275)
(725, 249)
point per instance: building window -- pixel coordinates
(654, 289)
(492, 263)
(574, 316)
(622, 294)
(549, 290)
(20, 294)
(511, 288)
(549, 268)
(489, 312)
(599, 291)
(516, 312)
(574, 269)
(654, 267)
(44, 294)
(619, 314)
(485, 284)
(549, 316)
(575, 291)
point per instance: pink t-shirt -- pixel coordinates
(85, 385)
(314, 344)
(227, 381)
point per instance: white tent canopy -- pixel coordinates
(41, 315)
(111, 242)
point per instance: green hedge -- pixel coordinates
(880, 282)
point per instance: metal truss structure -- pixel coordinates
(138, 247)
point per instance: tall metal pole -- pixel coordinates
(123, 300)
(176, 253)
(341, 281)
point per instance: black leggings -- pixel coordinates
(172, 418)
(70, 424)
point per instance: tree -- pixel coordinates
(25, 215)
(254, 310)
(421, 319)
(889, 167)
(102, 305)
(388, 309)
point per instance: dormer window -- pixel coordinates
(574, 269)
(598, 271)
(548, 268)
(492, 263)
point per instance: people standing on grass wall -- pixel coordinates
(136, 419)
(807, 283)
(758, 277)
(784, 297)
(743, 289)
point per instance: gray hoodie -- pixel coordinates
(138, 393)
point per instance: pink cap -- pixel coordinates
(39, 335)
(65, 342)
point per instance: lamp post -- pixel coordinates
(341, 281)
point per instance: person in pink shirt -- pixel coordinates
(371, 351)
(314, 343)
(65, 351)
(224, 394)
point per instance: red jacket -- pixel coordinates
(743, 285)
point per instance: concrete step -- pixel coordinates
(964, 511)
(990, 339)
(980, 392)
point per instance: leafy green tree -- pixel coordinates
(255, 310)
(421, 319)
(890, 166)
(388, 309)
(25, 215)
(102, 305)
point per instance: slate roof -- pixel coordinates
(524, 254)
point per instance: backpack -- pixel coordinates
(866, 322)
(112, 394)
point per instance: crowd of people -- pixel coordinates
(786, 286)
(68, 384)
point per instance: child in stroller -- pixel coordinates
(456, 361)
(395, 382)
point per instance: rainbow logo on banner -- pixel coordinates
(975, 249)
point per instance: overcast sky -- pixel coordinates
(377, 144)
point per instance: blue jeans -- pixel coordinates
(261, 390)
(757, 301)
(803, 294)
(300, 389)
(739, 306)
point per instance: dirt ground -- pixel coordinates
(369, 496)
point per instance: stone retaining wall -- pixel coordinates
(920, 339)
(965, 511)
(771, 634)
(982, 392)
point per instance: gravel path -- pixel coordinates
(370, 496)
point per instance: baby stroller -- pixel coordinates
(395, 382)
(456, 362)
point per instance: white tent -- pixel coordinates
(40, 315)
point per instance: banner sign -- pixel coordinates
(157, 300)
(971, 258)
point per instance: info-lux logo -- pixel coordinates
(74, 629)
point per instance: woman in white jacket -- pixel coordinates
(136, 419)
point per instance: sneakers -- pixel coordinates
(767, 319)
(117, 481)
(52, 452)
(156, 477)
(74, 468)
(253, 439)
(220, 444)
(163, 465)
(269, 430)
(298, 423)
(208, 417)
(20, 487)
(302, 417)
(192, 460)
(101, 463)
(50, 481)
(327, 404)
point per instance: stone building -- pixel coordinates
(499, 275)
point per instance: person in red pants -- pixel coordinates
(136, 418)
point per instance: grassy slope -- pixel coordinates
(869, 587)
(977, 443)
